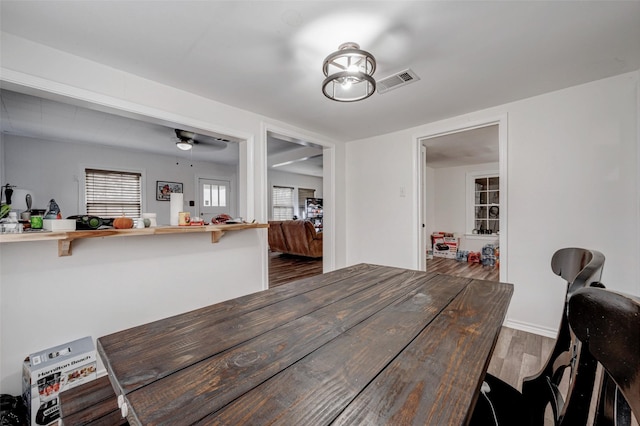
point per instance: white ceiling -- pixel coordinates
(476, 146)
(266, 56)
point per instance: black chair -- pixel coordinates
(608, 325)
(501, 404)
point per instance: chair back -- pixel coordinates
(580, 268)
(608, 325)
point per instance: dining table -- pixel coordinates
(362, 345)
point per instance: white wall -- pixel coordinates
(167, 274)
(572, 181)
(450, 196)
(294, 180)
(109, 284)
(55, 170)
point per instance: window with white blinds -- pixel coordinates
(111, 193)
(282, 202)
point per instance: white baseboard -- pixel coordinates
(531, 328)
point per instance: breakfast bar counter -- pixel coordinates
(366, 344)
(66, 238)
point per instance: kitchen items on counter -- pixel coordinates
(36, 222)
(10, 225)
(176, 204)
(54, 210)
(184, 218)
(152, 217)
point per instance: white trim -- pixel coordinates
(328, 188)
(532, 328)
(638, 178)
(444, 129)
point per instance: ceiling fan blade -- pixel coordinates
(210, 142)
(195, 139)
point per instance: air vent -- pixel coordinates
(397, 80)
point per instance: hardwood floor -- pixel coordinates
(463, 269)
(284, 268)
(519, 354)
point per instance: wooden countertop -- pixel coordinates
(65, 238)
(366, 344)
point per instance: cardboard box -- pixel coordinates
(48, 372)
(445, 247)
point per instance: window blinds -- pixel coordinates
(111, 193)
(282, 202)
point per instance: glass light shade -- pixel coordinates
(184, 145)
(349, 73)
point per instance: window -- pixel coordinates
(484, 212)
(214, 195)
(282, 202)
(110, 193)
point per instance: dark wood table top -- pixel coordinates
(361, 345)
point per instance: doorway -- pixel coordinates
(449, 157)
(295, 188)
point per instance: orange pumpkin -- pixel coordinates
(123, 222)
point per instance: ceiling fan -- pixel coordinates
(187, 140)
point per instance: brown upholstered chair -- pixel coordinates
(297, 237)
(276, 237)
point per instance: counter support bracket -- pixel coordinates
(216, 235)
(64, 247)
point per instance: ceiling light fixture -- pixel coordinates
(184, 145)
(349, 73)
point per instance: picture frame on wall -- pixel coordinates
(164, 189)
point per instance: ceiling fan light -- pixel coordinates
(349, 74)
(184, 145)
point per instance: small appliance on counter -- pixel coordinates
(87, 222)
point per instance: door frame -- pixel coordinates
(420, 184)
(328, 188)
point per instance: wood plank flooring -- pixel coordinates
(284, 268)
(463, 269)
(519, 354)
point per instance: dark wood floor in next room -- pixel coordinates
(284, 268)
(463, 269)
